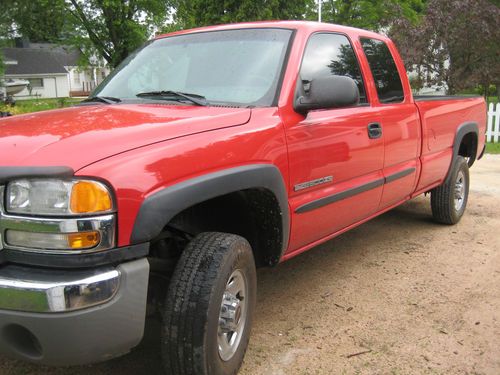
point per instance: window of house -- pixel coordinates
(103, 75)
(331, 54)
(384, 71)
(76, 79)
(36, 82)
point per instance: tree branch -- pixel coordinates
(96, 40)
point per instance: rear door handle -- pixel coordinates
(374, 130)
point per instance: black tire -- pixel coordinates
(444, 208)
(193, 304)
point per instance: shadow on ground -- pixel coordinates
(345, 250)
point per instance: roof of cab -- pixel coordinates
(304, 26)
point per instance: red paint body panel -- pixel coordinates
(163, 164)
(440, 120)
(332, 143)
(79, 136)
(140, 149)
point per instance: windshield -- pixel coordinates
(235, 67)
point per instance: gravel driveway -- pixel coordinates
(398, 295)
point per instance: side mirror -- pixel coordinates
(325, 93)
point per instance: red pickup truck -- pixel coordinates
(206, 154)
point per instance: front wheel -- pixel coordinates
(449, 200)
(209, 306)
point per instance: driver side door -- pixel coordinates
(336, 176)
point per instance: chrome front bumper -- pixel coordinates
(72, 317)
(50, 291)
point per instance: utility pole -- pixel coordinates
(319, 10)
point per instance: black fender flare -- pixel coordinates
(462, 131)
(158, 209)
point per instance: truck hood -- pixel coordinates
(78, 136)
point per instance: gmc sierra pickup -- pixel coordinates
(206, 154)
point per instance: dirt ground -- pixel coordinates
(397, 295)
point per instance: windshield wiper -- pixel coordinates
(101, 99)
(175, 95)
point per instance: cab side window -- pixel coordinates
(384, 71)
(331, 54)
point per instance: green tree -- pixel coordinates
(195, 13)
(114, 28)
(371, 14)
(39, 21)
(4, 31)
(2, 67)
(456, 44)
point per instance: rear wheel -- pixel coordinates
(209, 306)
(449, 200)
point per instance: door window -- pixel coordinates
(331, 54)
(384, 71)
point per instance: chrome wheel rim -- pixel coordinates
(233, 315)
(459, 191)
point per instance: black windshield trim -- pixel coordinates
(169, 102)
(286, 58)
(219, 30)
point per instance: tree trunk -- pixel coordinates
(450, 88)
(486, 90)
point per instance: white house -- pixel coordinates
(52, 70)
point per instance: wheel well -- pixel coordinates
(252, 213)
(468, 147)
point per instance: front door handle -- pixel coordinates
(374, 130)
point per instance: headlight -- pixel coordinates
(57, 197)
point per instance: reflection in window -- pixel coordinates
(331, 54)
(237, 67)
(384, 71)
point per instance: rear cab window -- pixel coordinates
(384, 71)
(331, 54)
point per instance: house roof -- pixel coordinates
(47, 59)
(67, 55)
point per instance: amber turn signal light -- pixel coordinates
(89, 197)
(83, 240)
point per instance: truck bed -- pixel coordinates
(440, 117)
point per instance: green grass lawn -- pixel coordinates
(493, 148)
(35, 105)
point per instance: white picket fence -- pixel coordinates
(493, 129)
